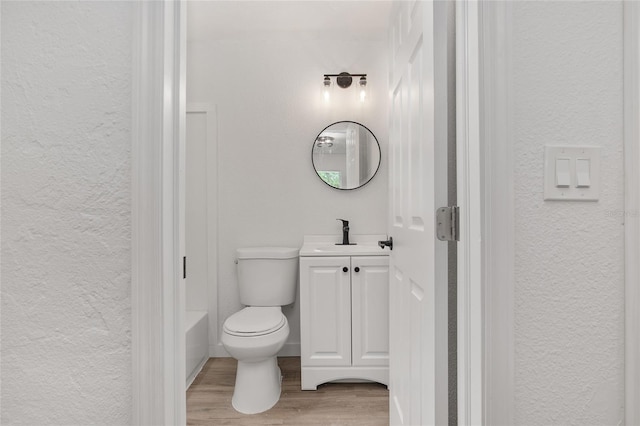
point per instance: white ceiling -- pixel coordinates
(216, 18)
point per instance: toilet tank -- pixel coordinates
(267, 276)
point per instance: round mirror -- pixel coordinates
(346, 155)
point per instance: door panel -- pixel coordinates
(396, 179)
(416, 161)
(399, 350)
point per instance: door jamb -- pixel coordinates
(158, 346)
(485, 197)
(498, 221)
(470, 324)
(632, 209)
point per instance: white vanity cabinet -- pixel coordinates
(344, 318)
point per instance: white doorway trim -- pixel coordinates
(158, 297)
(632, 209)
(498, 228)
(468, 150)
(158, 347)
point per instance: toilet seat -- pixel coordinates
(255, 321)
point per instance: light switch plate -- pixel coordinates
(573, 192)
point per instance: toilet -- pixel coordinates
(267, 278)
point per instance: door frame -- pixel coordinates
(631, 213)
(157, 293)
(156, 323)
(498, 212)
(468, 152)
(158, 133)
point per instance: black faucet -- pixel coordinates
(345, 234)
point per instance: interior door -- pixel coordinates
(418, 278)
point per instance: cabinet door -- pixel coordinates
(370, 316)
(325, 311)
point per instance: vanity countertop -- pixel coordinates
(325, 245)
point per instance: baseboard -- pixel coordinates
(216, 350)
(289, 349)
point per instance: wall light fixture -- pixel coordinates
(344, 80)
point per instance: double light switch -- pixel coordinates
(572, 173)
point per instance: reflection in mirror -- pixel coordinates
(346, 155)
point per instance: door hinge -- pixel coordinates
(448, 220)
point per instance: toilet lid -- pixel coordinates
(255, 321)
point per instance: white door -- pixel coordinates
(418, 283)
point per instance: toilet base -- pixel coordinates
(258, 386)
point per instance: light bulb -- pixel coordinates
(362, 88)
(326, 86)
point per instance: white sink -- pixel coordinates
(325, 245)
(338, 248)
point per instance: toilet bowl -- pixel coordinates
(267, 280)
(254, 336)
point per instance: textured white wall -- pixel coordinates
(266, 86)
(569, 290)
(66, 268)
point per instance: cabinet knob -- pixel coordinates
(357, 269)
(345, 269)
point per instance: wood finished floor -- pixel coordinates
(333, 404)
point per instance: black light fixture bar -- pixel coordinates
(344, 79)
(345, 74)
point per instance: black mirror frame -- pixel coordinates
(374, 173)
